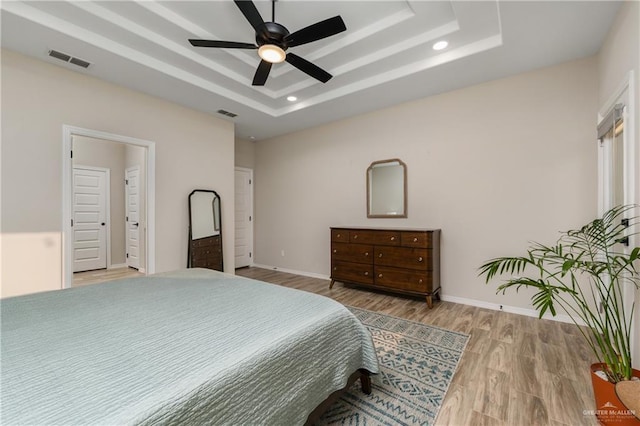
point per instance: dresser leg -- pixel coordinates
(332, 283)
(430, 301)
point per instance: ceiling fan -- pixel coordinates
(273, 39)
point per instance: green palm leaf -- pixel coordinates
(583, 272)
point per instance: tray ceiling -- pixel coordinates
(385, 56)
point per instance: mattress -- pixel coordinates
(190, 347)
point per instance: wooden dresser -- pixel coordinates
(206, 253)
(405, 261)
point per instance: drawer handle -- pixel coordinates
(366, 273)
(338, 236)
(335, 250)
(415, 239)
(393, 238)
(380, 255)
(366, 254)
(420, 259)
(420, 281)
(379, 275)
(335, 268)
(355, 237)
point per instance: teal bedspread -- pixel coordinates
(191, 347)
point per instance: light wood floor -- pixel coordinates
(515, 370)
(102, 275)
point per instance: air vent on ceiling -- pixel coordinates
(67, 58)
(227, 113)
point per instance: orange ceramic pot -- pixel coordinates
(609, 409)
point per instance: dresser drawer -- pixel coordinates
(416, 239)
(386, 238)
(358, 253)
(206, 253)
(352, 272)
(403, 257)
(340, 235)
(207, 263)
(206, 242)
(401, 279)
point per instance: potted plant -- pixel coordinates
(584, 274)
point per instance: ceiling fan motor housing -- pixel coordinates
(272, 33)
(272, 39)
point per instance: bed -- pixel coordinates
(188, 347)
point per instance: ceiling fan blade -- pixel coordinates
(250, 12)
(309, 68)
(317, 31)
(261, 73)
(222, 44)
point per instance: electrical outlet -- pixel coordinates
(282, 253)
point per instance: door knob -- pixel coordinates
(135, 224)
(102, 224)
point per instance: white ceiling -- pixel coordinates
(385, 57)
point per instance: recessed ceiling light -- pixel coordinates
(253, 138)
(440, 45)
(292, 98)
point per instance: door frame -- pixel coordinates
(251, 227)
(107, 218)
(67, 189)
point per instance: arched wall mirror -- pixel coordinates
(387, 189)
(205, 230)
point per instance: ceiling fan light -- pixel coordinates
(271, 53)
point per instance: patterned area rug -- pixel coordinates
(417, 363)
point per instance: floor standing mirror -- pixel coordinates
(205, 231)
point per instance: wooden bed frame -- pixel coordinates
(365, 381)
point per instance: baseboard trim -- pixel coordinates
(454, 299)
(292, 271)
(506, 308)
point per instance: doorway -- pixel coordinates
(617, 173)
(136, 152)
(243, 217)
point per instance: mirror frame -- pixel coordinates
(217, 225)
(404, 184)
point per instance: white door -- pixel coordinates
(132, 216)
(90, 191)
(244, 217)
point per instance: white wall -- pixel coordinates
(193, 150)
(494, 166)
(620, 54)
